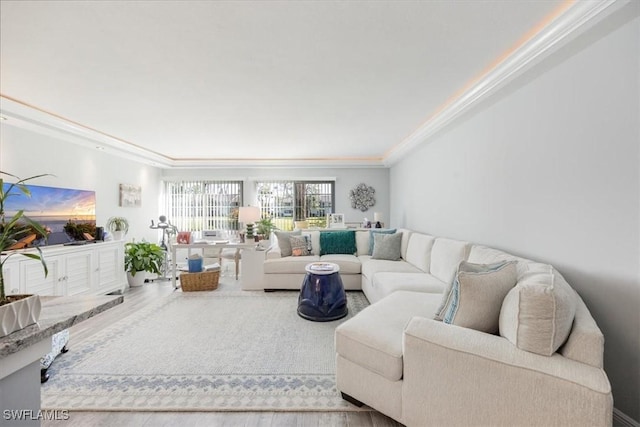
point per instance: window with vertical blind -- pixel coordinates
(202, 205)
(289, 201)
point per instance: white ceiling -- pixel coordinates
(188, 83)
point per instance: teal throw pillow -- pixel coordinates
(372, 233)
(337, 242)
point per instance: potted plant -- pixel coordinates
(264, 228)
(140, 257)
(17, 228)
(118, 226)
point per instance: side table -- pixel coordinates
(252, 269)
(322, 296)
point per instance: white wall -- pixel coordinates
(549, 170)
(346, 179)
(26, 153)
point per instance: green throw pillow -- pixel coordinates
(337, 242)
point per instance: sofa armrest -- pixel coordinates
(459, 376)
(273, 253)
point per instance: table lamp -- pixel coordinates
(247, 216)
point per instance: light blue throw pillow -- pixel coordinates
(387, 246)
(372, 233)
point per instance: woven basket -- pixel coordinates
(205, 281)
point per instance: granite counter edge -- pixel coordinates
(50, 324)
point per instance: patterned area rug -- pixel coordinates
(205, 351)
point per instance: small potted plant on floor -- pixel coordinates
(118, 226)
(18, 227)
(140, 257)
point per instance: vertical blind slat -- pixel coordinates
(202, 205)
(289, 201)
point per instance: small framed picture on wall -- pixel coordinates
(130, 196)
(336, 220)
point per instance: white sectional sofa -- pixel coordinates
(543, 365)
(287, 272)
(377, 278)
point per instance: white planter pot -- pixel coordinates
(118, 235)
(137, 280)
(264, 243)
(19, 314)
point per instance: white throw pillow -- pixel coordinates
(477, 293)
(538, 317)
(283, 241)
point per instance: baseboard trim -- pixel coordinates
(623, 420)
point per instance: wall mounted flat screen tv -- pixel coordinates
(53, 207)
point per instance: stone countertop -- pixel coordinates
(58, 313)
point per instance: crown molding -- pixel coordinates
(569, 22)
(24, 116)
(276, 163)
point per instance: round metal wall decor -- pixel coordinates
(362, 197)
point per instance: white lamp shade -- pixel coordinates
(249, 214)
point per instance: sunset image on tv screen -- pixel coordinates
(51, 206)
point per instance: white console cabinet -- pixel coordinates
(91, 269)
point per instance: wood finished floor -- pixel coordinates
(137, 298)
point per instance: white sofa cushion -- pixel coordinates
(373, 338)
(406, 234)
(362, 243)
(477, 293)
(290, 264)
(419, 251)
(537, 314)
(446, 255)
(349, 264)
(386, 283)
(372, 266)
(586, 342)
(479, 254)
